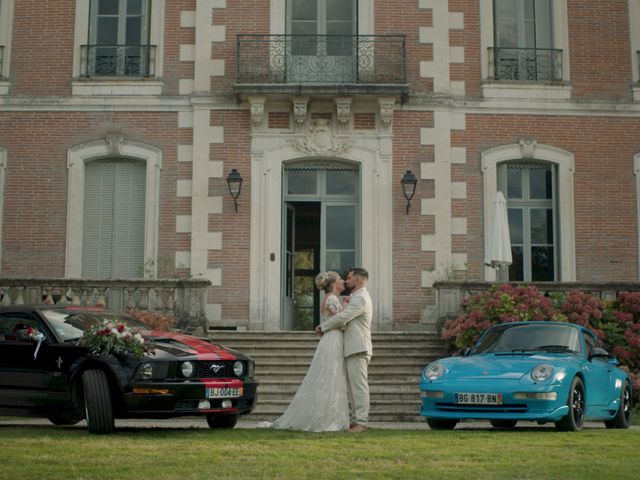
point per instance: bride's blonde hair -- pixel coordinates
(325, 280)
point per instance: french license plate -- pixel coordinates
(224, 392)
(478, 398)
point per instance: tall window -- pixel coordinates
(323, 39)
(114, 219)
(524, 41)
(531, 212)
(119, 38)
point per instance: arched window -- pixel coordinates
(538, 183)
(112, 209)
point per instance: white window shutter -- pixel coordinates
(114, 220)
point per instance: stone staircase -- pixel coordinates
(282, 359)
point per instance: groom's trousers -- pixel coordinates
(358, 387)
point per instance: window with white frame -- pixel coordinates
(525, 49)
(531, 212)
(6, 15)
(113, 200)
(523, 42)
(119, 42)
(538, 182)
(114, 219)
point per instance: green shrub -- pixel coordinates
(616, 323)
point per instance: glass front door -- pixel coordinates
(321, 231)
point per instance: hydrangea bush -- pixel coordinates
(617, 322)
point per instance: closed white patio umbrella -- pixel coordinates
(498, 251)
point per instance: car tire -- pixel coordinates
(623, 415)
(441, 423)
(222, 421)
(97, 402)
(574, 420)
(503, 424)
(74, 413)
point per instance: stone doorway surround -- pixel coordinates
(313, 138)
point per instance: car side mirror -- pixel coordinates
(597, 352)
(614, 361)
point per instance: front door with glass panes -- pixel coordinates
(321, 231)
(119, 38)
(321, 42)
(523, 40)
(531, 212)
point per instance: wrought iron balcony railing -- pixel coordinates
(359, 60)
(525, 64)
(118, 61)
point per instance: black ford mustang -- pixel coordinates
(54, 376)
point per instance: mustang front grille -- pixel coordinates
(213, 369)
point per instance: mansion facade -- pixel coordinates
(255, 143)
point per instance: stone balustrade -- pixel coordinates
(164, 296)
(449, 295)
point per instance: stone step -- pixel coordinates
(283, 358)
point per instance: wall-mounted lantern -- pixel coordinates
(234, 182)
(409, 182)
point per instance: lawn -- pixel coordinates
(163, 453)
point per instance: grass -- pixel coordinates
(159, 453)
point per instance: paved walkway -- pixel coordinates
(196, 422)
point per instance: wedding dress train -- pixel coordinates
(321, 402)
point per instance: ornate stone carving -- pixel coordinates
(528, 149)
(386, 106)
(257, 110)
(300, 111)
(319, 139)
(114, 145)
(343, 110)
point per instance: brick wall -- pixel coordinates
(35, 200)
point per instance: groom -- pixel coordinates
(356, 321)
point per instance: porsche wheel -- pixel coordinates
(97, 402)
(441, 424)
(623, 415)
(574, 420)
(222, 421)
(503, 424)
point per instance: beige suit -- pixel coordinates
(356, 321)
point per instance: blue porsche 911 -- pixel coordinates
(534, 371)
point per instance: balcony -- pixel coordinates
(127, 61)
(541, 65)
(330, 64)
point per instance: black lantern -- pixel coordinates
(234, 182)
(409, 182)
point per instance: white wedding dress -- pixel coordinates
(321, 403)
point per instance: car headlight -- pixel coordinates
(238, 368)
(186, 369)
(145, 371)
(434, 371)
(541, 372)
(151, 370)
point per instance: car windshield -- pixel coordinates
(70, 325)
(510, 338)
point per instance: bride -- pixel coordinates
(320, 404)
